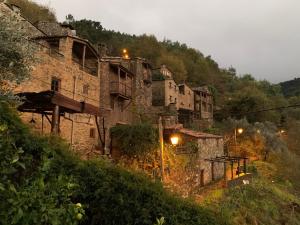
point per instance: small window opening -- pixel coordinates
(92, 132)
(55, 84)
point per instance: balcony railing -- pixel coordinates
(121, 89)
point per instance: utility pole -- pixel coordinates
(161, 145)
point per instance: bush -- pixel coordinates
(41, 183)
(138, 139)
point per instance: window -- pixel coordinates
(85, 89)
(92, 132)
(171, 98)
(170, 84)
(175, 100)
(112, 103)
(55, 84)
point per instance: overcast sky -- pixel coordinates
(260, 37)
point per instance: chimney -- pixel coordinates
(102, 49)
(16, 9)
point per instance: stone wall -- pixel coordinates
(54, 28)
(142, 85)
(186, 99)
(210, 148)
(119, 110)
(6, 13)
(75, 128)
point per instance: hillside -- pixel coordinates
(234, 95)
(291, 88)
(41, 182)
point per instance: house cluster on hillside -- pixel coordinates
(79, 92)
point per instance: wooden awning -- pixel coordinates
(45, 101)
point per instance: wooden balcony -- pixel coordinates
(120, 89)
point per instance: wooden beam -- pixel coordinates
(238, 168)
(212, 171)
(245, 166)
(55, 120)
(83, 56)
(161, 142)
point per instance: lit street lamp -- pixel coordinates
(239, 131)
(125, 53)
(174, 140)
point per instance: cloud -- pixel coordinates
(260, 37)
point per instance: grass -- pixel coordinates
(269, 199)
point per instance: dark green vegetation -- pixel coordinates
(41, 183)
(291, 88)
(272, 197)
(15, 53)
(236, 95)
(34, 12)
(137, 139)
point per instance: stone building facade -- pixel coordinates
(166, 91)
(206, 146)
(64, 83)
(204, 107)
(126, 93)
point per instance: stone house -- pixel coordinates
(126, 93)
(186, 105)
(166, 91)
(207, 146)
(204, 107)
(62, 96)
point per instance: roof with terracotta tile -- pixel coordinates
(197, 134)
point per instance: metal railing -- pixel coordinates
(120, 88)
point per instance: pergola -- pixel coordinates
(55, 104)
(228, 159)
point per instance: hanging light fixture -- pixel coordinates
(32, 121)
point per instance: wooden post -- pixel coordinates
(119, 80)
(55, 120)
(83, 56)
(161, 142)
(231, 163)
(212, 171)
(42, 123)
(238, 167)
(225, 173)
(245, 166)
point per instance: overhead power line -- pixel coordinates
(270, 109)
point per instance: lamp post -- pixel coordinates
(237, 131)
(161, 147)
(174, 140)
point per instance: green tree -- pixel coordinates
(16, 56)
(34, 12)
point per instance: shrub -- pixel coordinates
(41, 182)
(138, 139)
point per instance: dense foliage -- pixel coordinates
(42, 183)
(34, 12)
(271, 198)
(236, 96)
(16, 55)
(138, 139)
(291, 88)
